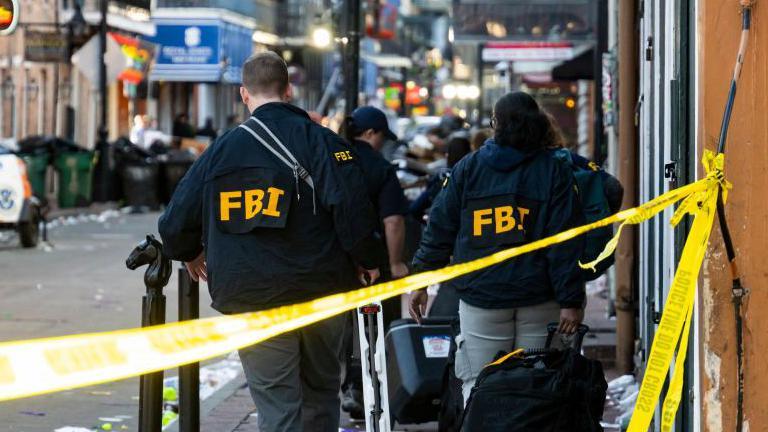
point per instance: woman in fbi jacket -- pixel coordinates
(510, 192)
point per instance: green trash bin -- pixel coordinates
(75, 172)
(37, 165)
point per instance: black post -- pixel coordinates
(189, 375)
(101, 190)
(150, 252)
(151, 385)
(601, 45)
(352, 57)
(480, 64)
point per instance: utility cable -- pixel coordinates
(737, 290)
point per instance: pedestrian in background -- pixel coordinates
(137, 131)
(510, 192)
(456, 151)
(207, 130)
(478, 137)
(271, 215)
(182, 128)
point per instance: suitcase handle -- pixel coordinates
(577, 341)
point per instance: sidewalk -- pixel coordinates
(235, 411)
(93, 209)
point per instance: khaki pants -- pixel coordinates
(485, 332)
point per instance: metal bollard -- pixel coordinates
(189, 375)
(150, 252)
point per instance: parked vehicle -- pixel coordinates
(19, 209)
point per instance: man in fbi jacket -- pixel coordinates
(270, 215)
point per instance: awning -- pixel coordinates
(581, 67)
(184, 73)
(387, 61)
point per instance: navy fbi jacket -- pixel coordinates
(497, 198)
(269, 239)
(381, 179)
(384, 192)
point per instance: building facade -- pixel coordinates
(686, 54)
(201, 47)
(42, 92)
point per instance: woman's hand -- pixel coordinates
(417, 304)
(399, 270)
(570, 320)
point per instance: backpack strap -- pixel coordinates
(284, 155)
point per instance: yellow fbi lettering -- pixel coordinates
(343, 156)
(252, 201)
(503, 219)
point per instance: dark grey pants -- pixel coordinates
(294, 378)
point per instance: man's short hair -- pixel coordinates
(265, 73)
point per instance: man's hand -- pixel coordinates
(367, 277)
(417, 304)
(570, 320)
(399, 270)
(197, 268)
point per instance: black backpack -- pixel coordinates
(542, 390)
(600, 195)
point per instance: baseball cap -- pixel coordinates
(368, 117)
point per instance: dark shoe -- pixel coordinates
(352, 403)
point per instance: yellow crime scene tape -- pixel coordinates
(40, 366)
(678, 307)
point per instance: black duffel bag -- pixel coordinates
(541, 390)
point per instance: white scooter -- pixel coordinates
(19, 209)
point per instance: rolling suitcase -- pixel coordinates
(416, 358)
(542, 390)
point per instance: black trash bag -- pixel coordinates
(158, 147)
(140, 184)
(34, 145)
(173, 167)
(60, 145)
(138, 175)
(126, 151)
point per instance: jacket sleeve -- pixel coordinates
(181, 225)
(439, 237)
(563, 258)
(342, 191)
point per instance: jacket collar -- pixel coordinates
(275, 107)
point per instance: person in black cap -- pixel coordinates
(367, 130)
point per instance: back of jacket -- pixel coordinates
(269, 238)
(497, 198)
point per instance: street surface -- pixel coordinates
(79, 284)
